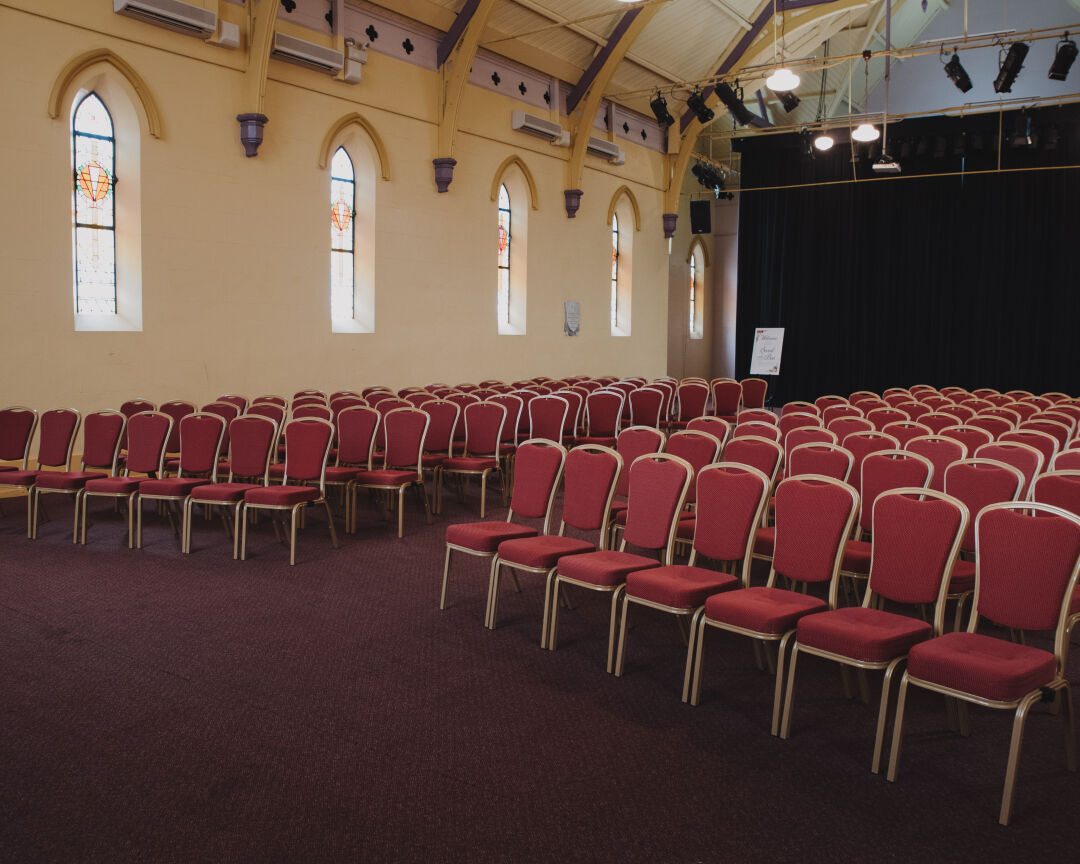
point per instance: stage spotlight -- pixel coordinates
(659, 109)
(789, 100)
(734, 103)
(824, 142)
(710, 178)
(1014, 62)
(1063, 59)
(696, 103)
(958, 74)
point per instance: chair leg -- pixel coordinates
(785, 724)
(549, 586)
(483, 492)
(135, 503)
(554, 614)
(695, 624)
(239, 524)
(81, 495)
(1069, 720)
(1014, 754)
(883, 712)
(330, 522)
(493, 594)
(621, 655)
(445, 578)
(897, 731)
(185, 528)
(778, 690)
(243, 535)
(616, 595)
(292, 534)
(423, 495)
(695, 692)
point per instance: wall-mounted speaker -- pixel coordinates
(700, 217)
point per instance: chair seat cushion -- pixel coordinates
(280, 496)
(856, 557)
(982, 665)
(678, 585)
(433, 460)
(602, 440)
(687, 525)
(616, 506)
(7, 468)
(113, 485)
(172, 464)
(764, 541)
(869, 635)
(763, 610)
(542, 552)
(66, 480)
(385, 477)
(18, 478)
(470, 463)
(962, 579)
(340, 473)
(604, 568)
(277, 470)
(222, 492)
(171, 486)
(485, 536)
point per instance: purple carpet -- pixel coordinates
(165, 708)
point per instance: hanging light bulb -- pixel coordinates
(782, 80)
(866, 132)
(824, 142)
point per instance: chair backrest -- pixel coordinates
(633, 442)
(894, 399)
(129, 409)
(979, 482)
(1044, 442)
(340, 403)
(1066, 417)
(904, 430)
(829, 460)
(406, 430)
(266, 409)
(659, 483)
(797, 420)
(463, 400)
(844, 426)
(484, 423)
(307, 446)
(913, 409)
(940, 450)
(177, 409)
(757, 452)
(1026, 562)
(418, 399)
(338, 394)
(374, 397)
(240, 402)
(538, 468)
(860, 396)
(806, 435)
(1037, 401)
(715, 426)
(280, 401)
(252, 441)
(311, 410)
(1023, 457)
(58, 428)
(1026, 410)
(834, 412)
(697, 449)
(972, 437)
(603, 411)
(861, 445)
(443, 420)
(996, 426)
(1005, 412)
(758, 428)
(575, 403)
(753, 392)
(917, 534)
(693, 396)
(1058, 430)
(647, 406)
(314, 391)
(514, 405)
(201, 435)
(667, 387)
(937, 420)
(731, 502)
(1060, 488)
(814, 515)
(798, 406)
(961, 412)
(764, 415)
(882, 417)
(227, 411)
(823, 402)
(886, 470)
(589, 480)
(356, 428)
(1066, 460)
(102, 432)
(148, 435)
(547, 417)
(727, 396)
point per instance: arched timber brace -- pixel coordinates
(262, 21)
(455, 55)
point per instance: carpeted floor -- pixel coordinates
(164, 708)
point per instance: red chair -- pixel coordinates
(1026, 410)
(835, 412)
(727, 398)
(307, 447)
(753, 392)
(439, 442)
(748, 415)
(228, 412)
(177, 409)
(548, 417)
(799, 407)
(697, 449)
(590, 475)
(539, 469)
(1023, 457)
(972, 437)
(201, 435)
(996, 426)
(1061, 488)
(757, 452)
(1059, 431)
(807, 435)
(356, 428)
(659, 483)
(633, 442)
(647, 407)
(148, 435)
(844, 426)
(17, 425)
(406, 431)
(240, 402)
(940, 450)
(731, 499)
(916, 538)
(961, 412)
(484, 422)
(1027, 562)
(937, 420)
(340, 403)
(252, 441)
(280, 401)
(692, 397)
(829, 400)
(59, 427)
(882, 417)
(757, 428)
(319, 412)
(904, 430)
(861, 445)
(860, 396)
(796, 420)
(814, 457)
(129, 409)
(314, 391)
(269, 410)
(813, 516)
(715, 426)
(1044, 442)
(603, 416)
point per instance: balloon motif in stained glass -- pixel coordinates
(93, 181)
(341, 215)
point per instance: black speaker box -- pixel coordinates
(700, 217)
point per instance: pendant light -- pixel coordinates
(824, 141)
(782, 79)
(866, 132)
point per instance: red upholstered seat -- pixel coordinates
(277, 471)
(340, 474)
(486, 536)
(856, 557)
(764, 541)
(763, 610)
(868, 635)
(66, 479)
(281, 496)
(113, 485)
(963, 577)
(542, 552)
(685, 531)
(431, 460)
(602, 440)
(470, 463)
(19, 478)
(982, 665)
(604, 567)
(222, 492)
(384, 477)
(170, 486)
(678, 585)
(6, 468)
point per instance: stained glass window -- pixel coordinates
(94, 206)
(504, 255)
(693, 295)
(342, 240)
(614, 272)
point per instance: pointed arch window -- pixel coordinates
(614, 273)
(94, 206)
(505, 238)
(342, 237)
(696, 291)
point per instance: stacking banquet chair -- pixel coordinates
(823, 402)
(177, 409)
(633, 442)
(940, 450)
(972, 437)
(58, 428)
(835, 412)
(761, 453)
(1044, 442)
(727, 398)
(659, 483)
(252, 442)
(239, 401)
(861, 445)
(814, 515)
(882, 417)
(201, 435)
(547, 417)
(438, 443)
(730, 501)
(1027, 562)
(796, 420)
(820, 457)
(759, 428)
(356, 428)
(753, 392)
(692, 399)
(715, 426)
(575, 404)
(129, 409)
(798, 406)
(228, 412)
(977, 482)
(748, 415)
(269, 410)
(17, 425)
(307, 447)
(937, 420)
(321, 412)
(589, 479)
(148, 436)
(603, 416)
(647, 407)
(914, 409)
(1061, 488)
(807, 435)
(484, 422)
(539, 469)
(280, 401)
(403, 461)
(848, 425)
(916, 538)
(102, 431)
(904, 430)
(511, 435)
(1023, 457)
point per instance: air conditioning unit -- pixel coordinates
(539, 126)
(610, 151)
(174, 14)
(308, 54)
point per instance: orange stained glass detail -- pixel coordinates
(94, 181)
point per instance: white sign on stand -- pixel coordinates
(768, 346)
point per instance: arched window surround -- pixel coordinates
(696, 263)
(514, 176)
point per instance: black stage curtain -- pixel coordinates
(968, 281)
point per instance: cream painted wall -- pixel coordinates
(234, 250)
